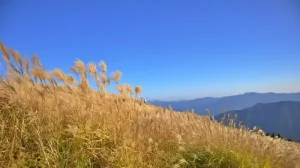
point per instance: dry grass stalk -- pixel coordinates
(92, 69)
(36, 61)
(79, 65)
(117, 76)
(26, 64)
(17, 57)
(101, 87)
(59, 75)
(138, 90)
(5, 53)
(128, 89)
(125, 89)
(103, 66)
(84, 85)
(41, 74)
(70, 79)
(122, 90)
(103, 78)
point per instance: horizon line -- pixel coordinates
(151, 99)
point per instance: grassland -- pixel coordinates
(50, 119)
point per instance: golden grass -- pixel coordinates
(48, 119)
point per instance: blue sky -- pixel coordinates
(174, 49)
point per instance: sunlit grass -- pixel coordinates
(48, 119)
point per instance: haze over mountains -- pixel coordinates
(279, 117)
(217, 105)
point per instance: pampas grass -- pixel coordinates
(117, 76)
(103, 66)
(48, 119)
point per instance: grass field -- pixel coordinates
(50, 119)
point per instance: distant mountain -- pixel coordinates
(280, 117)
(228, 103)
(183, 105)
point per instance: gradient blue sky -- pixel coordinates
(175, 49)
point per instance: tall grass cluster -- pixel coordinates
(50, 119)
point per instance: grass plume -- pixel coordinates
(117, 76)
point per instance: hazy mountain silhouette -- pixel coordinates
(183, 105)
(280, 117)
(235, 102)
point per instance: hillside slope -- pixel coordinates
(49, 119)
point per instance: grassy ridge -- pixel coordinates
(49, 119)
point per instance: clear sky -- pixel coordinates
(174, 49)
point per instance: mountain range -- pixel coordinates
(217, 105)
(279, 117)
